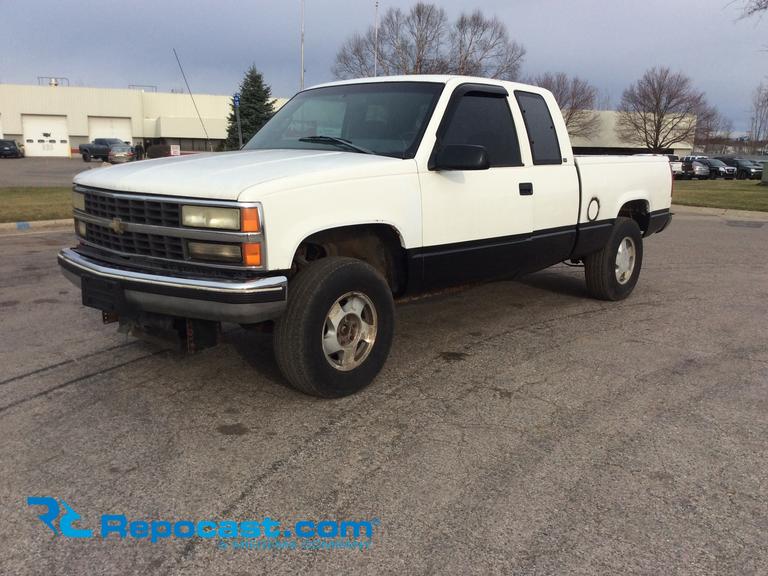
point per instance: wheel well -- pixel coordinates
(376, 244)
(638, 211)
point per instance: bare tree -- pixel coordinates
(578, 100)
(480, 46)
(355, 58)
(422, 41)
(713, 131)
(759, 120)
(659, 110)
(723, 141)
(708, 122)
(752, 7)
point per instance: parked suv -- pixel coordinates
(9, 149)
(745, 169)
(718, 169)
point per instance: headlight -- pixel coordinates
(210, 217)
(78, 201)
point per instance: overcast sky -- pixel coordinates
(608, 42)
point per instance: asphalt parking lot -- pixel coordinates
(42, 171)
(518, 427)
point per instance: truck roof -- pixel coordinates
(435, 78)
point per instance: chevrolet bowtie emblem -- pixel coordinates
(117, 226)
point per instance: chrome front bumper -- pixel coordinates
(125, 291)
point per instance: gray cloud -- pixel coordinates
(609, 42)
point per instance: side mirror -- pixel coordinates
(461, 157)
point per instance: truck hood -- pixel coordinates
(224, 176)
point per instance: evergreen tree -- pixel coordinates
(256, 107)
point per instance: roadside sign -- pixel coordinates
(175, 150)
(236, 102)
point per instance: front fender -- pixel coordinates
(292, 215)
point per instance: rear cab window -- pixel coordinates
(542, 136)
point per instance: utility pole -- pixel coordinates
(301, 83)
(376, 41)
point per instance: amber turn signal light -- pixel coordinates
(252, 254)
(250, 220)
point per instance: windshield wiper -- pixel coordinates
(338, 142)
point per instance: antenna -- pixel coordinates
(207, 140)
(301, 83)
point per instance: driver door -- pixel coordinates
(477, 223)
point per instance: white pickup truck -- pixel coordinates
(353, 194)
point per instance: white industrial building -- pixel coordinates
(55, 120)
(607, 141)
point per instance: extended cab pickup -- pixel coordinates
(110, 150)
(353, 194)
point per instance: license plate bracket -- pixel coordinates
(105, 295)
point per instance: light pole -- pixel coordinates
(301, 83)
(376, 41)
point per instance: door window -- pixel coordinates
(485, 120)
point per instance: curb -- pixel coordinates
(36, 226)
(724, 212)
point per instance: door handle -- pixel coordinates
(526, 189)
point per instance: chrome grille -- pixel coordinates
(136, 242)
(139, 211)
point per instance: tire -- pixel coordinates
(86, 157)
(602, 267)
(299, 341)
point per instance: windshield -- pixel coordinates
(388, 119)
(7, 143)
(716, 163)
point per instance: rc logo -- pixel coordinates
(250, 534)
(67, 520)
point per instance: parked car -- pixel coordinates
(102, 149)
(322, 219)
(120, 154)
(718, 169)
(695, 169)
(9, 149)
(745, 169)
